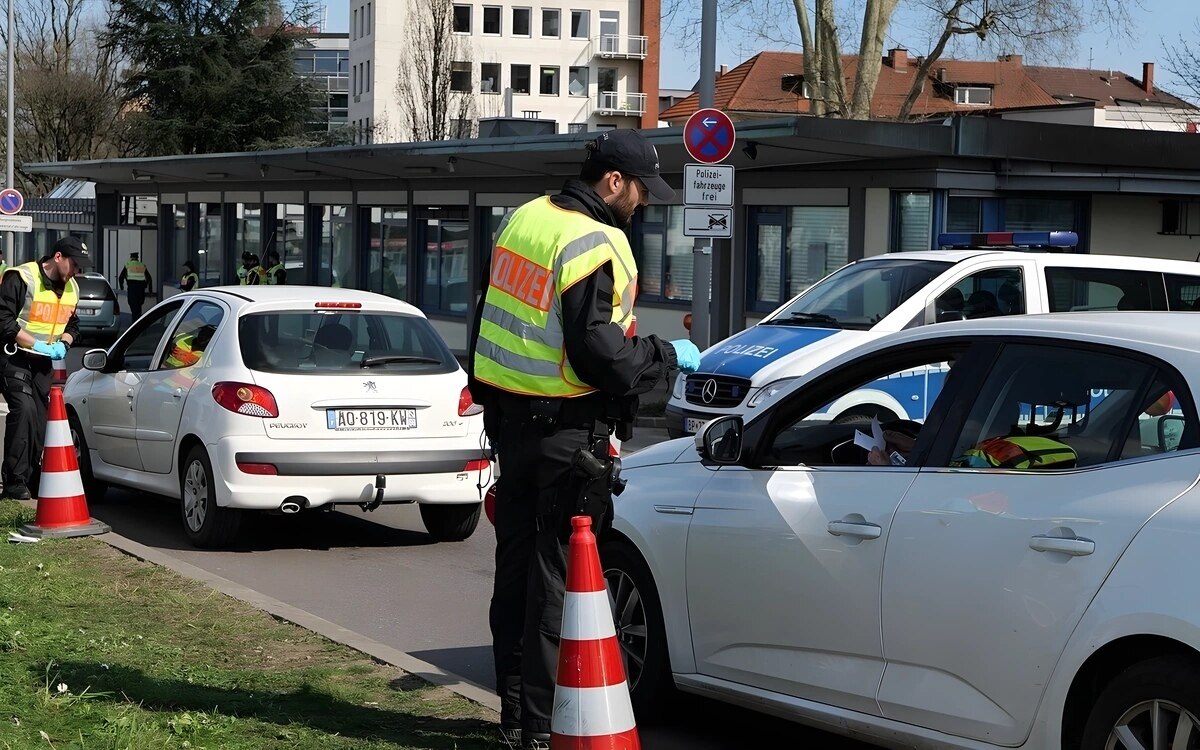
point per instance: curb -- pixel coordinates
(656, 423)
(283, 611)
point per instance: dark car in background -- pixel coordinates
(98, 310)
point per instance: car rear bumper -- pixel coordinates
(321, 476)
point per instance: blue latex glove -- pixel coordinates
(57, 350)
(687, 355)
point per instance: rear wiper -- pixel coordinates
(804, 318)
(397, 358)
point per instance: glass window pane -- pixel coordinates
(1039, 214)
(247, 237)
(579, 24)
(579, 82)
(818, 243)
(677, 270)
(1183, 292)
(519, 75)
(520, 25)
(1074, 289)
(491, 20)
(550, 22)
(462, 18)
(336, 250)
(388, 261)
(988, 293)
(209, 251)
(549, 81)
(178, 252)
(289, 241)
(769, 288)
(963, 214)
(445, 268)
(913, 212)
(489, 78)
(650, 259)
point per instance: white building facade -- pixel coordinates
(583, 64)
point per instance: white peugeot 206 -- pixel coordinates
(1019, 570)
(284, 399)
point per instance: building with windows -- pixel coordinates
(325, 60)
(417, 220)
(582, 68)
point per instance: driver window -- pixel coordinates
(1045, 408)
(986, 294)
(138, 353)
(884, 404)
(192, 336)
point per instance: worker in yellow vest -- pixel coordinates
(255, 273)
(189, 279)
(37, 324)
(135, 279)
(276, 273)
(556, 373)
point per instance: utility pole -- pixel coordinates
(8, 171)
(702, 251)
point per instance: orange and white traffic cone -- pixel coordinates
(62, 508)
(592, 710)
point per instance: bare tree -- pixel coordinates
(1033, 27)
(1183, 62)
(67, 98)
(435, 85)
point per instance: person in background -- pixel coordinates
(243, 269)
(135, 278)
(255, 273)
(37, 324)
(189, 279)
(276, 273)
(554, 393)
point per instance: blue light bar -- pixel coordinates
(972, 240)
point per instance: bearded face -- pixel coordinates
(626, 202)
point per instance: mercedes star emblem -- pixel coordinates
(709, 392)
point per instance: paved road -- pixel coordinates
(379, 574)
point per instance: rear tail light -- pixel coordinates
(466, 405)
(479, 464)
(339, 305)
(244, 398)
(267, 470)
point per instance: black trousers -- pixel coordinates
(26, 388)
(536, 495)
(136, 295)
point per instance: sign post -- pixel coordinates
(709, 137)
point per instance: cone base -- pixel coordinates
(88, 528)
(621, 741)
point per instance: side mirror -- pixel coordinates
(95, 359)
(1170, 430)
(949, 316)
(720, 441)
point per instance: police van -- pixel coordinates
(974, 276)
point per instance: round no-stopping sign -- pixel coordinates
(709, 136)
(11, 201)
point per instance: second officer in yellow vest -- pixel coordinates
(37, 324)
(135, 279)
(554, 365)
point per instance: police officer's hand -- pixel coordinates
(687, 355)
(57, 350)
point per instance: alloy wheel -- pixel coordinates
(195, 496)
(1155, 725)
(629, 617)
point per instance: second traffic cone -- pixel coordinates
(62, 508)
(592, 709)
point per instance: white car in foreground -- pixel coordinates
(283, 399)
(939, 599)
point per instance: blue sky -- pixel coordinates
(1164, 20)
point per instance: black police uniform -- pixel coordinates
(537, 492)
(26, 385)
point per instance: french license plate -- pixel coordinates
(86, 311)
(692, 425)
(343, 420)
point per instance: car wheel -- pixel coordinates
(450, 523)
(205, 523)
(1153, 704)
(94, 489)
(637, 615)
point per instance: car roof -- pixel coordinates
(305, 296)
(1074, 260)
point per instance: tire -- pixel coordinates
(94, 489)
(450, 523)
(1168, 685)
(637, 615)
(206, 524)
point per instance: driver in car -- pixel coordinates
(896, 443)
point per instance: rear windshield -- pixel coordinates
(339, 341)
(91, 287)
(861, 294)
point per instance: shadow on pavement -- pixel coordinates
(155, 522)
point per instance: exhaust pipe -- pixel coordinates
(293, 505)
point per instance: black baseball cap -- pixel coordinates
(74, 248)
(628, 152)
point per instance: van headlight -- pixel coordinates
(680, 381)
(768, 392)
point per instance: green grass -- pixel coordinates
(102, 651)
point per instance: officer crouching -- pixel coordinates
(553, 365)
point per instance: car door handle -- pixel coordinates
(178, 393)
(129, 394)
(1076, 546)
(860, 530)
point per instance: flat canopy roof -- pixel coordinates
(789, 142)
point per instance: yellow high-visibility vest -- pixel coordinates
(271, 277)
(182, 354)
(542, 251)
(135, 270)
(44, 314)
(193, 278)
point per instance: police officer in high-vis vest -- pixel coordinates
(37, 324)
(556, 370)
(135, 277)
(276, 273)
(189, 279)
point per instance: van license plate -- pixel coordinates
(345, 420)
(692, 425)
(86, 311)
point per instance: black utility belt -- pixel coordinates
(561, 412)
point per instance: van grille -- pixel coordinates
(724, 392)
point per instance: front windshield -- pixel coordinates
(859, 295)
